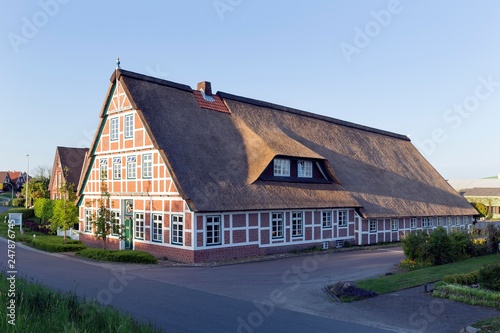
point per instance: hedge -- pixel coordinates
(131, 256)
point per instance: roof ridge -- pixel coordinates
(310, 115)
(137, 76)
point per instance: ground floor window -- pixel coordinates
(373, 225)
(326, 218)
(277, 225)
(87, 221)
(394, 224)
(440, 221)
(157, 228)
(425, 222)
(459, 220)
(177, 229)
(115, 223)
(413, 223)
(342, 218)
(139, 225)
(297, 224)
(213, 228)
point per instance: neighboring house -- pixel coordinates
(68, 163)
(484, 190)
(15, 179)
(196, 176)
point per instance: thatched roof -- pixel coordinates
(216, 158)
(73, 159)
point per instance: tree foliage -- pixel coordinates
(481, 208)
(65, 211)
(44, 209)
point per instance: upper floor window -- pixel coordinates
(304, 169)
(281, 167)
(147, 166)
(117, 168)
(131, 167)
(114, 128)
(129, 126)
(103, 168)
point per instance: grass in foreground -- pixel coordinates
(38, 309)
(490, 325)
(387, 284)
(467, 295)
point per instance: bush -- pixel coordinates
(463, 279)
(489, 277)
(54, 244)
(414, 245)
(492, 238)
(440, 247)
(27, 213)
(18, 202)
(462, 245)
(118, 256)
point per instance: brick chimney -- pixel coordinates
(206, 87)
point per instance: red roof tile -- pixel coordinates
(217, 105)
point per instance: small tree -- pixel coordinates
(104, 220)
(44, 209)
(65, 212)
(492, 238)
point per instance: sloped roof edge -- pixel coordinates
(143, 77)
(278, 107)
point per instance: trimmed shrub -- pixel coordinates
(489, 277)
(132, 256)
(464, 279)
(54, 244)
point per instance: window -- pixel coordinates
(394, 224)
(87, 221)
(342, 218)
(327, 218)
(117, 168)
(177, 229)
(129, 126)
(373, 225)
(304, 169)
(281, 167)
(425, 222)
(157, 228)
(131, 167)
(139, 225)
(458, 220)
(448, 220)
(103, 168)
(114, 129)
(147, 166)
(296, 224)
(277, 225)
(213, 230)
(413, 223)
(431, 222)
(115, 223)
(440, 221)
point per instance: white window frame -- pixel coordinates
(129, 126)
(431, 222)
(440, 221)
(103, 168)
(342, 217)
(458, 220)
(281, 167)
(326, 218)
(147, 166)
(114, 129)
(277, 225)
(213, 230)
(304, 169)
(372, 225)
(131, 167)
(297, 224)
(157, 228)
(87, 220)
(395, 224)
(115, 222)
(117, 168)
(449, 221)
(425, 222)
(139, 225)
(413, 223)
(177, 229)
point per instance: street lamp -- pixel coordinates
(27, 182)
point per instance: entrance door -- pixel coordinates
(129, 227)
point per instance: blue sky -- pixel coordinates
(427, 69)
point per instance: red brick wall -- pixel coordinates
(92, 241)
(166, 252)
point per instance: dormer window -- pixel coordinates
(304, 169)
(281, 167)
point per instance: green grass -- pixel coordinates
(38, 309)
(118, 256)
(491, 325)
(387, 284)
(467, 295)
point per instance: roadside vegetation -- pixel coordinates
(118, 256)
(68, 313)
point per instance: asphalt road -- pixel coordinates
(269, 296)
